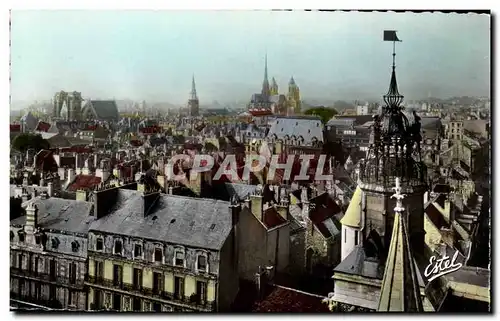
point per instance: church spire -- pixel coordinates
(400, 288)
(265, 84)
(193, 95)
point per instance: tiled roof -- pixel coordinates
(170, 220)
(322, 215)
(260, 112)
(271, 218)
(61, 214)
(15, 128)
(306, 128)
(105, 109)
(280, 299)
(43, 126)
(435, 216)
(86, 182)
(352, 216)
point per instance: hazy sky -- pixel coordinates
(152, 55)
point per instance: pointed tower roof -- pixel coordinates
(274, 83)
(352, 217)
(400, 289)
(265, 84)
(292, 81)
(193, 95)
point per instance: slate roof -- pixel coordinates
(61, 214)
(43, 126)
(356, 263)
(105, 109)
(307, 127)
(280, 299)
(241, 190)
(170, 220)
(271, 218)
(323, 215)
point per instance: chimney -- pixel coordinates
(71, 175)
(31, 217)
(256, 206)
(447, 211)
(426, 197)
(161, 180)
(149, 199)
(104, 200)
(81, 195)
(50, 189)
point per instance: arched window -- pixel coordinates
(75, 246)
(55, 243)
(202, 262)
(158, 254)
(118, 247)
(179, 257)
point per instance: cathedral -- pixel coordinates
(271, 100)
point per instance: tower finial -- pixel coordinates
(393, 98)
(265, 85)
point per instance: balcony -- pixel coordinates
(44, 304)
(47, 278)
(191, 301)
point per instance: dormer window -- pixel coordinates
(137, 251)
(118, 247)
(55, 243)
(75, 246)
(158, 256)
(202, 262)
(179, 257)
(99, 244)
(21, 234)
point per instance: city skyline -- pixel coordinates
(134, 55)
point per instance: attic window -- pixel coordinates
(118, 247)
(99, 244)
(212, 226)
(155, 218)
(137, 251)
(201, 264)
(158, 255)
(179, 257)
(308, 131)
(172, 221)
(281, 129)
(75, 246)
(21, 236)
(317, 124)
(297, 124)
(55, 243)
(191, 224)
(11, 236)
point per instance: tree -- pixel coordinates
(26, 141)
(323, 112)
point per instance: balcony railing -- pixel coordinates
(50, 304)
(44, 277)
(161, 295)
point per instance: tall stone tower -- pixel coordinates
(75, 106)
(59, 99)
(394, 152)
(193, 102)
(266, 91)
(293, 96)
(274, 87)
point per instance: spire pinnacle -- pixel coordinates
(393, 98)
(193, 95)
(265, 85)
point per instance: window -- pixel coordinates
(137, 281)
(137, 251)
(20, 234)
(75, 246)
(37, 262)
(136, 304)
(345, 235)
(99, 244)
(38, 291)
(202, 263)
(158, 255)
(179, 258)
(118, 247)
(356, 236)
(117, 274)
(157, 284)
(55, 243)
(201, 292)
(72, 273)
(99, 269)
(117, 302)
(11, 236)
(20, 261)
(156, 307)
(52, 269)
(179, 287)
(98, 295)
(72, 298)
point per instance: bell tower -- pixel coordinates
(193, 102)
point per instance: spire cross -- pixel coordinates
(398, 196)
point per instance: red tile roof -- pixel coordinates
(84, 182)
(45, 161)
(151, 130)
(271, 218)
(43, 126)
(15, 128)
(260, 112)
(287, 300)
(136, 143)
